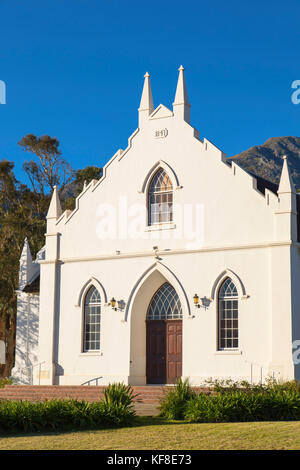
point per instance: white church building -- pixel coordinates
(176, 263)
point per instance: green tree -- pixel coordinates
(82, 176)
(50, 168)
(19, 218)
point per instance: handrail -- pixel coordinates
(88, 382)
(31, 367)
(252, 363)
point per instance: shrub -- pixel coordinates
(116, 409)
(173, 404)
(272, 405)
(120, 394)
(229, 385)
(118, 403)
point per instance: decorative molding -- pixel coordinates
(169, 276)
(91, 282)
(152, 171)
(161, 112)
(210, 249)
(235, 278)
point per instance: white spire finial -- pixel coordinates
(25, 265)
(54, 211)
(286, 184)
(181, 105)
(146, 104)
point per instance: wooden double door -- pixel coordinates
(164, 351)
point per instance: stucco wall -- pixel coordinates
(238, 233)
(123, 334)
(27, 332)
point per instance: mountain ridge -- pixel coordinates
(266, 161)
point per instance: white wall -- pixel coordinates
(27, 330)
(239, 229)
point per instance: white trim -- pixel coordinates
(227, 352)
(168, 169)
(97, 353)
(91, 282)
(170, 277)
(164, 226)
(208, 249)
(235, 278)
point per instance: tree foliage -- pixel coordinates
(23, 213)
(82, 177)
(49, 169)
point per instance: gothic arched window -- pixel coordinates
(160, 198)
(165, 304)
(92, 320)
(228, 315)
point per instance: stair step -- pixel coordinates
(147, 400)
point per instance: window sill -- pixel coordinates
(88, 354)
(167, 226)
(227, 352)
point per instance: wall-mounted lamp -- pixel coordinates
(204, 301)
(196, 300)
(121, 304)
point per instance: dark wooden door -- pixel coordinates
(174, 350)
(156, 352)
(164, 351)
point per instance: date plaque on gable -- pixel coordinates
(160, 134)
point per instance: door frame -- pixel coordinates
(165, 354)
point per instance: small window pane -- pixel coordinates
(160, 206)
(165, 304)
(92, 320)
(228, 315)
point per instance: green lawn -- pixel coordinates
(157, 434)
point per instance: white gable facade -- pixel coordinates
(174, 264)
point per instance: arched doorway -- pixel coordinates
(164, 337)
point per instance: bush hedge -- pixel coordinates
(227, 403)
(242, 406)
(116, 409)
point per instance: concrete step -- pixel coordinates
(148, 396)
(146, 410)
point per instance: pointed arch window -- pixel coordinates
(165, 304)
(228, 316)
(160, 198)
(92, 320)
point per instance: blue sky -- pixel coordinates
(74, 69)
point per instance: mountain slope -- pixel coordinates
(266, 160)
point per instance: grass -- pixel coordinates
(158, 434)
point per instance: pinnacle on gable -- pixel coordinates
(26, 253)
(54, 211)
(146, 103)
(286, 184)
(181, 105)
